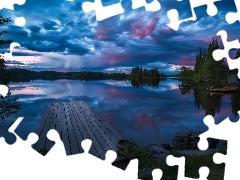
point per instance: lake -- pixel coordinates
(146, 115)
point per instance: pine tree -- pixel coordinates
(3, 22)
(235, 71)
(213, 71)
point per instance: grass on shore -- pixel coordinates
(192, 164)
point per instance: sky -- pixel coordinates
(59, 36)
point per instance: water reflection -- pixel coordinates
(140, 83)
(8, 106)
(235, 103)
(147, 115)
(211, 103)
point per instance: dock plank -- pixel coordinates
(76, 121)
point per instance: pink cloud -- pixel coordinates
(142, 30)
(205, 40)
(143, 121)
(114, 93)
(186, 61)
(114, 59)
(104, 34)
(27, 90)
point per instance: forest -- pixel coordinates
(89, 75)
(206, 69)
(208, 74)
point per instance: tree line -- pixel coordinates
(89, 75)
(19, 74)
(140, 73)
(206, 69)
(137, 73)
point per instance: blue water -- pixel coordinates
(147, 116)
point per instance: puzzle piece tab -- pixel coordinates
(3, 90)
(219, 54)
(173, 14)
(232, 17)
(12, 45)
(9, 4)
(116, 9)
(19, 21)
(153, 6)
(101, 11)
(226, 130)
(180, 162)
(157, 174)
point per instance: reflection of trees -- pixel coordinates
(235, 103)
(211, 103)
(140, 83)
(8, 106)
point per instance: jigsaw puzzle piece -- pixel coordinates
(157, 174)
(232, 17)
(101, 11)
(131, 172)
(20, 157)
(23, 146)
(230, 160)
(216, 131)
(12, 46)
(173, 14)
(18, 153)
(4, 90)
(9, 4)
(58, 149)
(180, 162)
(226, 130)
(19, 21)
(219, 54)
(153, 6)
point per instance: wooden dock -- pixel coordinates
(76, 121)
(226, 90)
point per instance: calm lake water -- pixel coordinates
(147, 116)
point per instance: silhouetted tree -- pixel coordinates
(8, 106)
(3, 22)
(186, 73)
(206, 68)
(213, 71)
(235, 71)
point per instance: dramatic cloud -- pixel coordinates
(59, 35)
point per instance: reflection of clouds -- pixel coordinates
(27, 90)
(119, 83)
(146, 115)
(169, 84)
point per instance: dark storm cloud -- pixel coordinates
(135, 37)
(50, 25)
(17, 32)
(14, 62)
(19, 53)
(34, 28)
